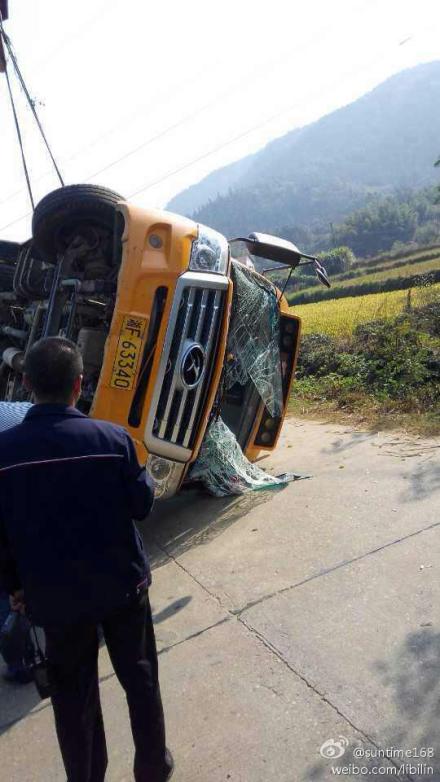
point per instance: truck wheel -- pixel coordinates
(64, 211)
(6, 277)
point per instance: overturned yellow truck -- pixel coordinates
(173, 331)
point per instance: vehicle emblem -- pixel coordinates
(192, 366)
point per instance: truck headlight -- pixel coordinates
(210, 252)
(166, 475)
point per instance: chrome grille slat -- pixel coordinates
(197, 335)
(175, 409)
(186, 324)
(209, 341)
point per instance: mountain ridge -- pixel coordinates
(387, 139)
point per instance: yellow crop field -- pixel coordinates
(338, 317)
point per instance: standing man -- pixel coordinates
(70, 553)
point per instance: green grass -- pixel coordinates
(385, 260)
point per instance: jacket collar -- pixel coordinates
(52, 409)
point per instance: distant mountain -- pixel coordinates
(214, 184)
(386, 140)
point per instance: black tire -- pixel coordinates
(6, 277)
(9, 251)
(59, 213)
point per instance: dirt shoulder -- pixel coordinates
(366, 413)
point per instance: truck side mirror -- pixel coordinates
(272, 248)
(282, 251)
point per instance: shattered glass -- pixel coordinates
(253, 354)
(253, 343)
(223, 468)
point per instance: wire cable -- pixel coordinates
(226, 93)
(186, 118)
(207, 154)
(217, 148)
(242, 134)
(31, 103)
(94, 142)
(261, 69)
(285, 56)
(222, 145)
(20, 140)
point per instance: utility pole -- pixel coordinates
(4, 15)
(332, 230)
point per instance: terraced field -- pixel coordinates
(338, 317)
(380, 275)
(387, 261)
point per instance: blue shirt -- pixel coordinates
(12, 413)
(70, 487)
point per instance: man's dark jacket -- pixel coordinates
(70, 488)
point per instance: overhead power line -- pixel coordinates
(128, 118)
(157, 137)
(241, 135)
(31, 103)
(226, 93)
(206, 154)
(85, 27)
(223, 145)
(20, 140)
(218, 147)
(188, 117)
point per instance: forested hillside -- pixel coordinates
(386, 141)
(385, 222)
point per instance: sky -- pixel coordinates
(148, 98)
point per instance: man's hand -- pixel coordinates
(16, 602)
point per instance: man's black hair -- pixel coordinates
(52, 366)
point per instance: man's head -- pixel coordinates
(53, 371)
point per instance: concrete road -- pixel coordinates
(287, 620)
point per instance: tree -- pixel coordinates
(337, 261)
(376, 227)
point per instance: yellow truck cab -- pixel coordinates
(173, 331)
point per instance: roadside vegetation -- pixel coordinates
(374, 359)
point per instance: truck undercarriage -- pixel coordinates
(63, 285)
(174, 334)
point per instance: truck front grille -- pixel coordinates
(187, 362)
